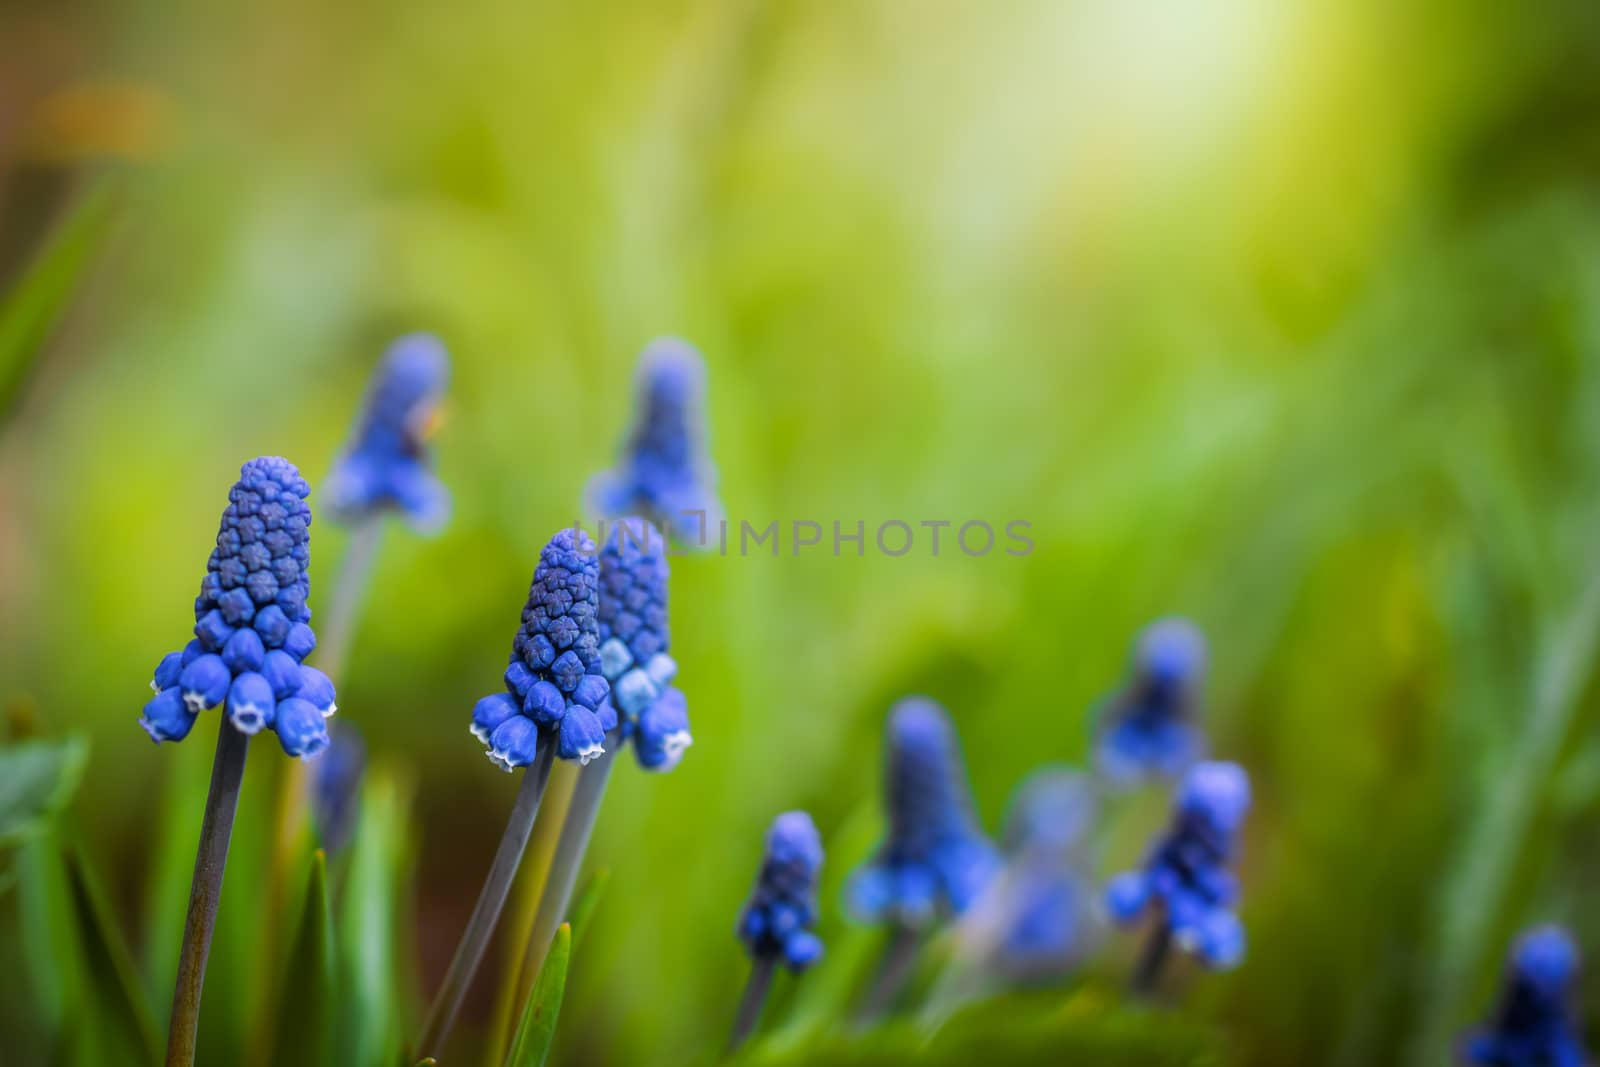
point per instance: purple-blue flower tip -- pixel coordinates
(936, 860)
(1150, 728)
(664, 472)
(1186, 879)
(553, 681)
(252, 627)
(634, 641)
(777, 920)
(1533, 1025)
(387, 466)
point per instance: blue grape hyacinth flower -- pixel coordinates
(252, 627)
(777, 921)
(1186, 881)
(936, 860)
(554, 688)
(665, 473)
(1151, 728)
(1038, 920)
(634, 645)
(1533, 1025)
(387, 466)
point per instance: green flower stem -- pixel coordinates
(491, 900)
(205, 892)
(1152, 960)
(894, 970)
(751, 1003)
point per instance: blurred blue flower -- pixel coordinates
(252, 626)
(1533, 1025)
(665, 473)
(1038, 920)
(336, 787)
(1186, 879)
(936, 860)
(388, 465)
(1152, 728)
(634, 642)
(777, 921)
(554, 688)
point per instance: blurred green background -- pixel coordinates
(1285, 316)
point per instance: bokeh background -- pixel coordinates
(1284, 316)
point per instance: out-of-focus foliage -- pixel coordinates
(1281, 316)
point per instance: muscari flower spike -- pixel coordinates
(1185, 878)
(1151, 728)
(936, 861)
(388, 466)
(554, 688)
(665, 473)
(777, 921)
(252, 626)
(634, 641)
(1533, 1024)
(1041, 912)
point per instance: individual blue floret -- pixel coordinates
(634, 642)
(665, 473)
(1534, 1025)
(1185, 880)
(936, 860)
(252, 627)
(777, 921)
(555, 692)
(387, 466)
(1151, 728)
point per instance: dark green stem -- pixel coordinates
(205, 892)
(491, 900)
(751, 1003)
(894, 969)
(1152, 960)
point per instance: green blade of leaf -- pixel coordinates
(36, 301)
(37, 779)
(588, 900)
(537, 1031)
(369, 1020)
(306, 998)
(124, 1020)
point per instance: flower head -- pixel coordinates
(665, 473)
(1151, 727)
(1037, 920)
(634, 641)
(387, 465)
(777, 921)
(554, 689)
(1185, 878)
(252, 627)
(936, 861)
(1533, 1025)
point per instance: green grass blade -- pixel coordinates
(37, 779)
(36, 301)
(124, 1019)
(537, 1031)
(588, 899)
(370, 1015)
(306, 997)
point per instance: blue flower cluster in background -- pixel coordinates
(777, 921)
(1151, 728)
(387, 466)
(634, 642)
(936, 860)
(554, 688)
(1533, 1026)
(665, 473)
(1186, 879)
(252, 626)
(1042, 905)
